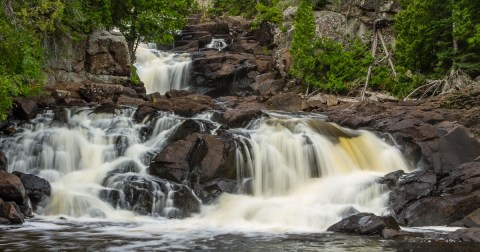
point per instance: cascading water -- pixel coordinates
(216, 43)
(306, 174)
(162, 71)
(297, 174)
(86, 154)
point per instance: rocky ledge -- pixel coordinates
(19, 193)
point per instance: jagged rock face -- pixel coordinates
(96, 56)
(82, 69)
(455, 198)
(195, 157)
(338, 20)
(232, 70)
(107, 54)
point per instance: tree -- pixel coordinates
(150, 20)
(424, 35)
(20, 62)
(301, 48)
(435, 36)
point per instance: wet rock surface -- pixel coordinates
(454, 198)
(149, 195)
(36, 188)
(11, 188)
(364, 224)
(196, 157)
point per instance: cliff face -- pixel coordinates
(100, 55)
(338, 20)
(95, 68)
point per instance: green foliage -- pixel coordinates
(301, 48)
(435, 36)
(244, 8)
(134, 78)
(20, 64)
(325, 63)
(150, 20)
(338, 67)
(424, 41)
(271, 13)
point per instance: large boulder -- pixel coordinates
(453, 147)
(107, 54)
(364, 224)
(36, 188)
(198, 157)
(454, 197)
(222, 73)
(447, 210)
(462, 180)
(235, 118)
(11, 188)
(466, 235)
(25, 108)
(406, 188)
(11, 212)
(149, 195)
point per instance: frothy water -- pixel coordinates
(162, 71)
(218, 44)
(296, 174)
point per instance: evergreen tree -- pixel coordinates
(435, 36)
(424, 35)
(301, 48)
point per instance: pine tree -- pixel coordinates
(302, 44)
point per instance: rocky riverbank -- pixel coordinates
(440, 136)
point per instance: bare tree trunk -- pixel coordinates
(387, 54)
(369, 73)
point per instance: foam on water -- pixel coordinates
(299, 173)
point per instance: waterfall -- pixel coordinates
(89, 157)
(162, 71)
(295, 173)
(216, 43)
(306, 174)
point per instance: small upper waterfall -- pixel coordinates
(162, 71)
(218, 44)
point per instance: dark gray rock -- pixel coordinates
(466, 235)
(364, 224)
(36, 188)
(149, 195)
(439, 210)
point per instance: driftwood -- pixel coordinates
(455, 80)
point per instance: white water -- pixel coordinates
(218, 44)
(304, 174)
(162, 71)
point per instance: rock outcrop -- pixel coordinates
(94, 68)
(364, 224)
(196, 157)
